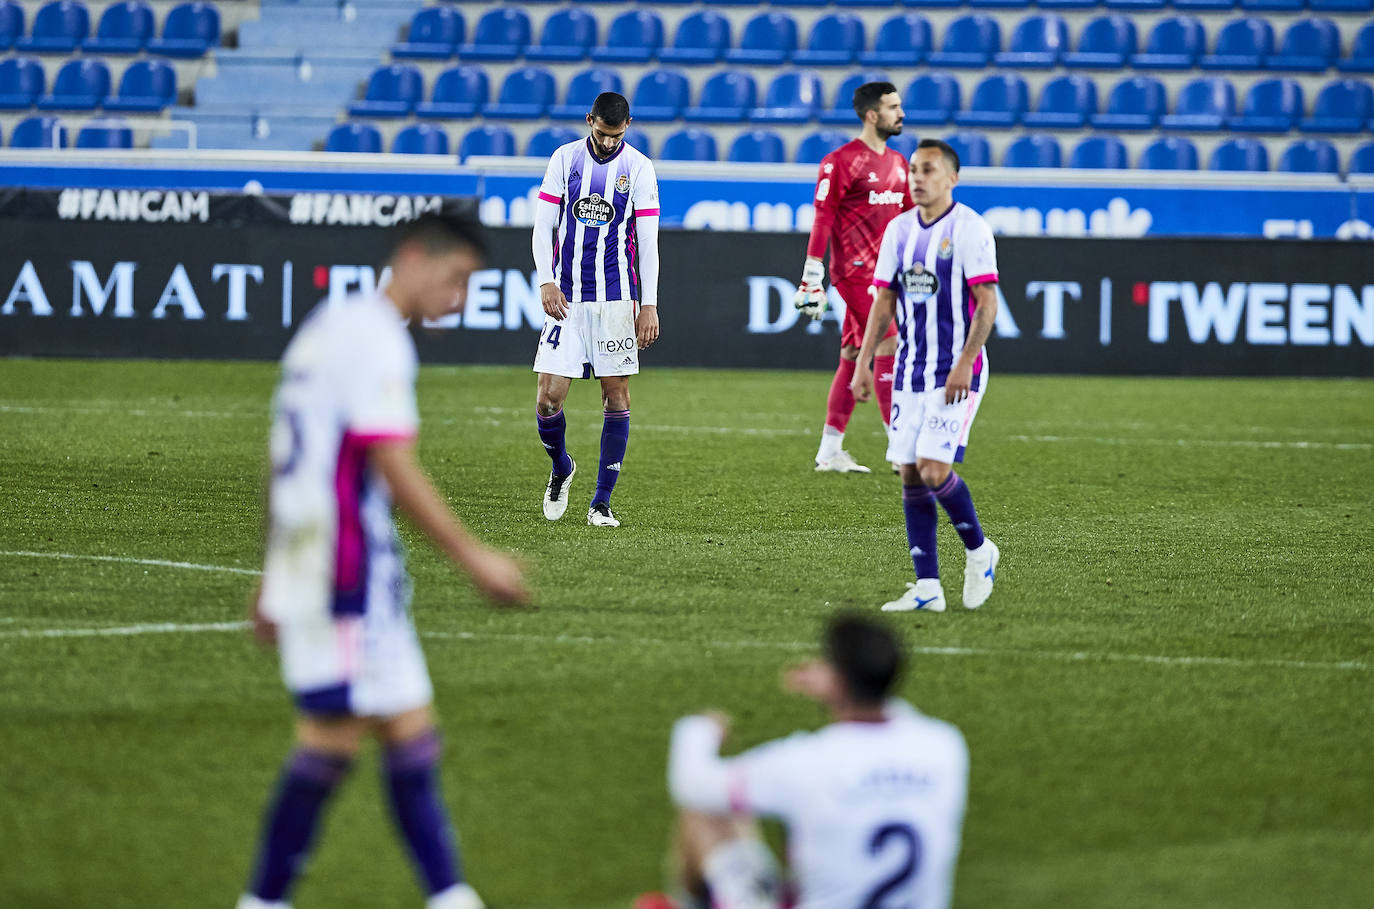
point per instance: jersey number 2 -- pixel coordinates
(906, 839)
(551, 338)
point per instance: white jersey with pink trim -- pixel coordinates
(932, 268)
(874, 811)
(348, 381)
(596, 254)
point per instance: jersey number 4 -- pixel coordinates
(551, 338)
(904, 838)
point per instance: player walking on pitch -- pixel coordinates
(335, 594)
(596, 252)
(937, 275)
(861, 186)
(873, 803)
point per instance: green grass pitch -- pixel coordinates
(1169, 698)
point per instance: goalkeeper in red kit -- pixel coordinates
(861, 186)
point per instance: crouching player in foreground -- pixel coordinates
(937, 274)
(335, 591)
(873, 803)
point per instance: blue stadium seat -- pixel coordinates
(567, 36)
(883, 3)
(1033, 150)
(1309, 46)
(421, 139)
(1239, 154)
(39, 132)
(459, 93)
(543, 142)
(1203, 104)
(661, 96)
(1099, 152)
(999, 4)
(435, 33)
(835, 40)
(903, 40)
(904, 145)
(1036, 43)
(105, 132)
(392, 91)
(633, 37)
(970, 41)
(1174, 43)
(11, 23)
(792, 97)
(760, 146)
(689, 145)
(1065, 103)
(1273, 6)
(501, 34)
(582, 91)
(21, 82)
(124, 28)
(81, 84)
(998, 100)
(769, 38)
(526, 94)
(1067, 4)
(1271, 106)
(1136, 102)
(58, 28)
(1169, 153)
(725, 97)
(355, 136)
(1361, 59)
(972, 148)
(1310, 156)
(702, 37)
(1204, 5)
(841, 113)
(932, 98)
(490, 139)
(1343, 106)
(1136, 6)
(1361, 160)
(638, 138)
(1241, 44)
(816, 146)
(147, 86)
(1106, 43)
(189, 31)
(933, 3)
(1341, 6)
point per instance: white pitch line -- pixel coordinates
(1202, 443)
(123, 630)
(159, 563)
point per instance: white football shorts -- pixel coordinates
(595, 340)
(361, 665)
(924, 426)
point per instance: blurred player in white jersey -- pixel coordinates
(335, 593)
(873, 803)
(937, 276)
(596, 252)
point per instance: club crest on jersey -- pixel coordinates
(946, 248)
(593, 211)
(622, 184)
(919, 283)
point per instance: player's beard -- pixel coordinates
(887, 132)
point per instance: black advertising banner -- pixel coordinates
(237, 289)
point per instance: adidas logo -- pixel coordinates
(628, 361)
(962, 525)
(615, 467)
(548, 446)
(916, 550)
(946, 445)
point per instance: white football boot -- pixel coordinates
(980, 570)
(926, 594)
(841, 463)
(556, 493)
(249, 901)
(459, 896)
(599, 515)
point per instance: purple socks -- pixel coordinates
(958, 504)
(615, 435)
(414, 789)
(918, 504)
(553, 433)
(307, 782)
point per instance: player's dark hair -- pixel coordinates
(869, 95)
(441, 232)
(867, 655)
(951, 156)
(611, 108)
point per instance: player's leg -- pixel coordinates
(725, 862)
(553, 428)
(884, 362)
(918, 506)
(615, 437)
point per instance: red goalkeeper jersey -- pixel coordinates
(858, 191)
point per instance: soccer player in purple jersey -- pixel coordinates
(596, 252)
(937, 276)
(335, 593)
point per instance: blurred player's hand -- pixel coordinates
(810, 298)
(499, 577)
(646, 326)
(958, 381)
(861, 386)
(814, 679)
(555, 304)
(264, 629)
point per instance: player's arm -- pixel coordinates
(810, 298)
(646, 321)
(698, 778)
(979, 329)
(880, 316)
(496, 575)
(545, 229)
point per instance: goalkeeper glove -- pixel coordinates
(810, 298)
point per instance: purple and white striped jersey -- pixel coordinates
(596, 255)
(933, 268)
